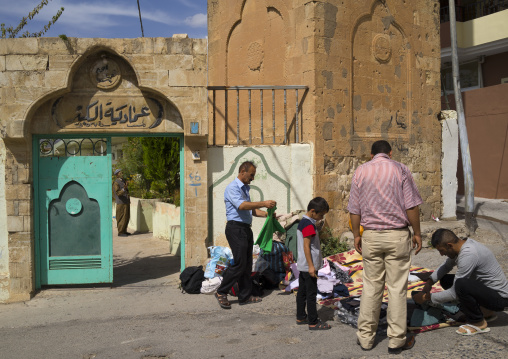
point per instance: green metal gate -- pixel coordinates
(73, 224)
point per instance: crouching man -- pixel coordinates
(479, 285)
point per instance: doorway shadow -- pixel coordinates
(144, 269)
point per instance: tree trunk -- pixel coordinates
(471, 223)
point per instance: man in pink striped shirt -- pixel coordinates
(384, 200)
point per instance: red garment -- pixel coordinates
(381, 192)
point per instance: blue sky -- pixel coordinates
(111, 18)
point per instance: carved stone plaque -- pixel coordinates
(105, 73)
(255, 56)
(382, 48)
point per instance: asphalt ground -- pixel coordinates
(145, 315)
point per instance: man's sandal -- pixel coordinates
(468, 331)
(320, 326)
(302, 321)
(251, 300)
(223, 301)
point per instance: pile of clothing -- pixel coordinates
(331, 282)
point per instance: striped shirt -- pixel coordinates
(381, 192)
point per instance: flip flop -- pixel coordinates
(320, 326)
(468, 331)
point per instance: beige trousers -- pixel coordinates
(386, 259)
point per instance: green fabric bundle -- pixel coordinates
(271, 226)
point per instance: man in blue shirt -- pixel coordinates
(239, 212)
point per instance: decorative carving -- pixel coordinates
(105, 73)
(255, 56)
(382, 48)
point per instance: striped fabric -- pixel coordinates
(381, 192)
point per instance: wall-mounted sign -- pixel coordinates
(73, 111)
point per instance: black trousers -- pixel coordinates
(241, 240)
(472, 294)
(307, 291)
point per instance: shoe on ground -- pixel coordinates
(364, 349)
(123, 235)
(410, 342)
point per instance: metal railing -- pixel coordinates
(244, 111)
(474, 10)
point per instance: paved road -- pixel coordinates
(144, 315)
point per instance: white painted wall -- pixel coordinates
(4, 239)
(449, 158)
(275, 165)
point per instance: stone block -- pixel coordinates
(15, 223)
(140, 45)
(26, 62)
(186, 78)
(199, 46)
(22, 46)
(55, 79)
(174, 62)
(61, 62)
(23, 208)
(15, 129)
(2, 63)
(54, 45)
(27, 224)
(16, 191)
(142, 62)
(148, 78)
(179, 46)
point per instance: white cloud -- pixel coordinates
(198, 20)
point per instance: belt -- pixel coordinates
(243, 224)
(388, 229)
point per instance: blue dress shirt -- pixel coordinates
(235, 194)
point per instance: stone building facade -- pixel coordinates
(304, 86)
(371, 69)
(49, 86)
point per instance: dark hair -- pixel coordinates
(319, 205)
(380, 146)
(443, 236)
(246, 166)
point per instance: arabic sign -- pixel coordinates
(121, 112)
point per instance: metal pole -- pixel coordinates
(237, 116)
(213, 117)
(273, 114)
(261, 96)
(296, 117)
(250, 119)
(226, 117)
(471, 223)
(285, 119)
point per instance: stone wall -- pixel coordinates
(52, 86)
(372, 68)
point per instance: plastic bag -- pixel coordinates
(220, 258)
(255, 256)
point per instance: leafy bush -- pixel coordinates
(331, 244)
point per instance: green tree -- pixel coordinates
(10, 32)
(152, 167)
(161, 159)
